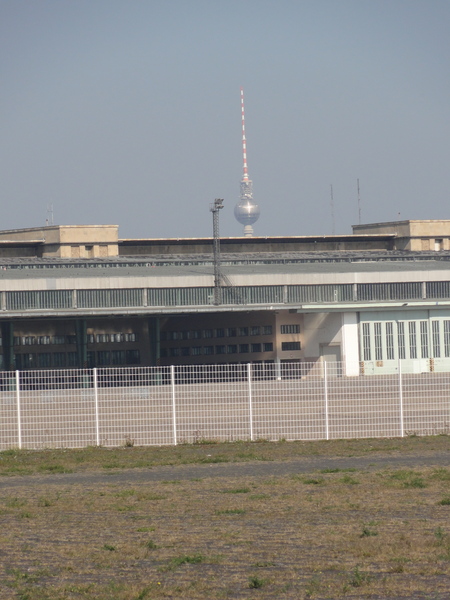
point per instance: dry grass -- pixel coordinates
(329, 534)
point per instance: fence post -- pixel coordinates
(174, 412)
(97, 425)
(250, 400)
(325, 384)
(19, 416)
(400, 393)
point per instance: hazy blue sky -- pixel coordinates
(128, 112)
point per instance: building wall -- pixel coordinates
(417, 235)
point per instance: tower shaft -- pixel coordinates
(246, 211)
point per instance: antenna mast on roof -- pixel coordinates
(359, 203)
(332, 211)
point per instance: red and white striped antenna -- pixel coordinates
(244, 141)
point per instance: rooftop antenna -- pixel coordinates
(359, 203)
(214, 208)
(49, 219)
(246, 210)
(332, 211)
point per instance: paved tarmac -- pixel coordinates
(232, 470)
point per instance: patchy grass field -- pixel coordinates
(329, 534)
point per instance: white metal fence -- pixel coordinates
(172, 405)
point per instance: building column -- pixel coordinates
(155, 340)
(8, 345)
(81, 335)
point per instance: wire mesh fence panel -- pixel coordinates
(135, 406)
(57, 409)
(426, 403)
(212, 403)
(191, 404)
(9, 425)
(361, 407)
(290, 405)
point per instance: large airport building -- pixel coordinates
(79, 296)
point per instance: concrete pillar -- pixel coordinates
(80, 332)
(8, 345)
(155, 340)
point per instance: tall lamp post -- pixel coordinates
(214, 208)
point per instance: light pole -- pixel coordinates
(214, 208)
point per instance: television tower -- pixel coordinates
(246, 210)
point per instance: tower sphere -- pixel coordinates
(246, 212)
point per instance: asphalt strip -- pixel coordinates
(231, 470)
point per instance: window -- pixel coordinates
(231, 332)
(267, 347)
(59, 359)
(102, 338)
(401, 340)
(412, 339)
(17, 341)
(184, 335)
(29, 340)
(72, 359)
(43, 339)
(44, 360)
(220, 349)
(436, 339)
(163, 353)
(424, 339)
(207, 333)
(255, 330)
(255, 347)
(91, 338)
(117, 337)
(71, 339)
(290, 346)
(208, 350)
(390, 341)
(447, 338)
(132, 357)
(267, 330)
(243, 348)
(232, 349)
(185, 350)
(243, 331)
(118, 357)
(220, 333)
(130, 337)
(90, 359)
(171, 336)
(378, 341)
(366, 341)
(196, 350)
(104, 358)
(196, 334)
(174, 352)
(291, 328)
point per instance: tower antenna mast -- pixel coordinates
(246, 211)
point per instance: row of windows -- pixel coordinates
(39, 340)
(48, 360)
(219, 349)
(393, 340)
(195, 296)
(226, 349)
(219, 332)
